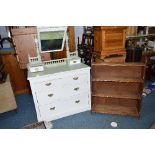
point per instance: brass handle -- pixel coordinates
(52, 108)
(48, 84)
(75, 78)
(77, 101)
(50, 95)
(76, 88)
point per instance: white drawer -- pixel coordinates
(71, 79)
(47, 97)
(50, 110)
(49, 85)
(77, 100)
(61, 108)
(72, 90)
(76, 79)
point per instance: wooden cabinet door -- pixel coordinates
(23, 39)
(24, 46)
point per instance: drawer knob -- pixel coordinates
(50, 95)
(76, 89)
(75, 78)
(48, 84)
(52, 108)
(78, 101)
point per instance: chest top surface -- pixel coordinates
(57, 69)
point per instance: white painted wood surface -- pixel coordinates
(61, 91)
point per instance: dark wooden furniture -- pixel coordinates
(109, 40)
(117, 88)
(85, 48)
(1, 61)
(150, 64)
(134, 54)
(17, 76)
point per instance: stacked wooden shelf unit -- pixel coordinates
(117, 88)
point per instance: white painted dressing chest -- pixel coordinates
(61, 91)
